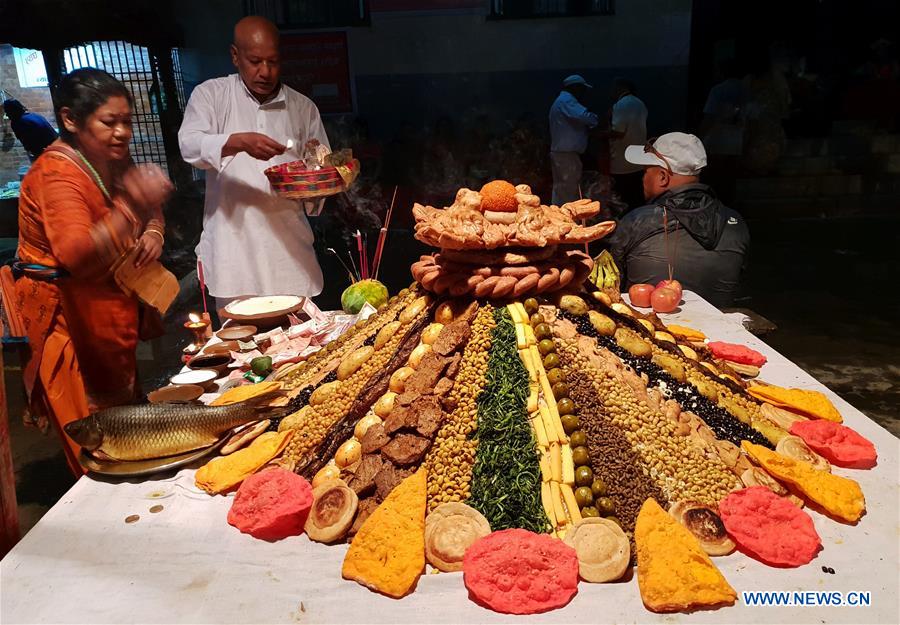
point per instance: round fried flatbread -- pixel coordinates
(450, 530)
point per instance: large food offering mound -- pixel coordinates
(770, 527)
(674, 573)
(519, 572)
(839, 444)
(272, 505)
(838, 495)
(388, 553)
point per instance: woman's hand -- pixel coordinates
(147, 187)
(149, 248)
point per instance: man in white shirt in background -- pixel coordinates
(253, 242)
(628, 126)
(570, 122)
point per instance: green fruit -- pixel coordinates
(551, 361)
(577, 439)
(589, 511)
(580, 456)
(357, 294)
(560, 390)
(565, 406)
(543, 331)
(584, 476)
(556, 375)
(598, 487)
(606, 506)
(261, 365)
(570, 423)
(531, 305)
(546, 346)
(536, 319)
(584, 497)
(615, 520)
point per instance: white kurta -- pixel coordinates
(253, 242)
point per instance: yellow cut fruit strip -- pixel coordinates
(571, 504)
(547, 503)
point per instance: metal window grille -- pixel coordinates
(310, 13)
(139, 71)
(550, 8)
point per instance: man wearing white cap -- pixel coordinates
(683, 227)
(570, 122)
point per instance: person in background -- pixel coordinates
(570, 122)
(682, 226)
(82, 207)
(32, 130)
(253, 242)
(627, 126)
(722, 129)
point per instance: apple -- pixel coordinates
(640, 295)
(664, 299)
(675, 285)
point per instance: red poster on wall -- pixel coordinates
(318, 66)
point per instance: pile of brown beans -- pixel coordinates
(679, 468)
(612, 457)
(451, 458)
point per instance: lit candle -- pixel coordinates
(198, 327)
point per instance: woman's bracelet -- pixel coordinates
(162, 238)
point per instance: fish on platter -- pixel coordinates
(146, 431)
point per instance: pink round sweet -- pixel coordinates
(272, 505)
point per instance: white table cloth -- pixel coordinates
(82, 563)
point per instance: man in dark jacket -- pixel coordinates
(31, 129)
(683, 226)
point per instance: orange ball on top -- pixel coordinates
(499, 202)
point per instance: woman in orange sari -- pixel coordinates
(83, 206)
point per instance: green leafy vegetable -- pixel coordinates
(506, 478)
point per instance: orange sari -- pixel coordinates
(82, 329)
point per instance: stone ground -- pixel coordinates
(826, 284)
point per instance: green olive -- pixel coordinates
(565, 406)
(560, 390)
(551, 361)
(584, 476)
(615, 520)
(531, 305)
(570, 423)
(556, 375)
(598, 487)
(606, 506)
(580, 456)
(577, 439)
(584, 497)
(542, 330)
(536, 318)
(546, 346)
(589, 511)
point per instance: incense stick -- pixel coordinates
(382, 234)
(362, 258)
(341, 261)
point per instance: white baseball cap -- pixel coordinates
(678, 152)
(576, 79)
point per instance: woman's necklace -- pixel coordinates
(96, 175)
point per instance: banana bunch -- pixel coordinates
(605, 274)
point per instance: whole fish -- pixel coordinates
(148, 431)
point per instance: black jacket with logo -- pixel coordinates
(707, 243)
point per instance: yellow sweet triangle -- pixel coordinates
(388, 553)
(686, 333)
(812, 404)
(674, 573)
(222, 474)
(839, 496)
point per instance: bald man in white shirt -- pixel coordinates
(253, 242)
